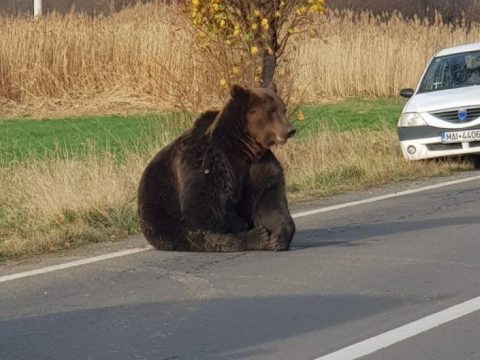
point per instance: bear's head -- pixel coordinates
(266, 119)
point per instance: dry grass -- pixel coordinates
(143, 59)
(47, 205)
(57, 203)
(322, 165)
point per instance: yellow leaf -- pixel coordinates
(300, 115)
(223, 82)
(254, 50)
(264, 23)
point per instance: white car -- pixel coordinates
(442, 117)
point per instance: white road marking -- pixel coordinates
(404, 332)
(384, 197)
(71, 264)
(295, 216)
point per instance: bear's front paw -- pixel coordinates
(257, 239)
(277, 244)
(259, 234)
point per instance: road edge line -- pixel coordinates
(71, 264)
(384, 197)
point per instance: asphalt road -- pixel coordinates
(353, 273)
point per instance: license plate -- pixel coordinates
(460, 136)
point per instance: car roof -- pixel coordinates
(458, 49)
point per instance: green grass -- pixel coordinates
(352, 114)
(76, 137)
(23, 139)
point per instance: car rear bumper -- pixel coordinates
(426, 141)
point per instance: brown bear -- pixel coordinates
(218, 187)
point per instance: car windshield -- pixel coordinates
(452, 71)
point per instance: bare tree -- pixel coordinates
(249, 35)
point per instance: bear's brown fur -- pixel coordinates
(218, 187)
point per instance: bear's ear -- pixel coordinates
(239, 93)
(272, 86)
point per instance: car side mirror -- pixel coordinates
(407, 93)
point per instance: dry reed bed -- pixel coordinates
(54, 204)
(367, 56)
(142, 58)
(136, 58)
